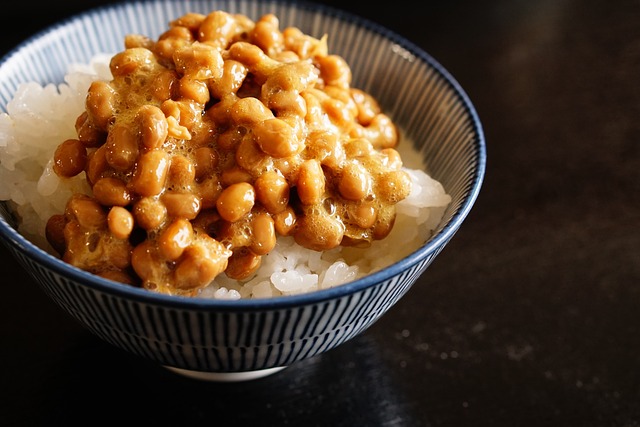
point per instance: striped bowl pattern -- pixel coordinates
(249, 335)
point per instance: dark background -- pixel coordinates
(529, 317)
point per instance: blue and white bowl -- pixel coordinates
(243, 339)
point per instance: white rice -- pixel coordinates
(39, 118)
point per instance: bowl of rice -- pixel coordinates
(227, 188)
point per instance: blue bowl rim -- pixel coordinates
(14, 240)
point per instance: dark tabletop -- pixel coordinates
(529, 317)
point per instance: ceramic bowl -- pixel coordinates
(249, 338)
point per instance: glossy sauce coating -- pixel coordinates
(213, 140)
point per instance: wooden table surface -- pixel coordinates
(529, 317)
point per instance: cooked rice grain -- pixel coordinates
(39, 117)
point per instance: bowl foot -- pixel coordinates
(226, 376)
